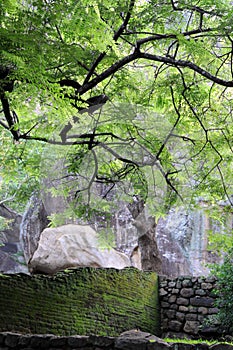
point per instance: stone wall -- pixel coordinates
(187, 306)
(129, 340)
(83, 301)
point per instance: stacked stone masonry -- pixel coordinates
(188, 306)
(129, 340)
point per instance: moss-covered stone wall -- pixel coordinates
(83, 301)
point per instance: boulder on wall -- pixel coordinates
(73, 246)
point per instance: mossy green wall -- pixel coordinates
(82, 301)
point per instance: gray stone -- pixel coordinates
(193, 309)
(187, 292)
(192, 327)
(24, 340)
(172, 284)
(172, 299)
(174, 307)
(40, 341)
(182, 301)
(200, 318)
(76, 246)
(203, 310)
(200, 292)
(213, 310)
(211, 279)
(180, 316)
(77, 341)
(187, 283)
(56, 341)
(101, 341)
(175, 326)
(175, 291)
(162, 292)
(202, 301)
(221, 347)
(165, 305)
(11, 339)
(183, 308)
(183, 346)
(191, 317)
(206, 286)
(137, 340)
(170, 313)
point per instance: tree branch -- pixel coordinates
(9, 118)
(115, 38)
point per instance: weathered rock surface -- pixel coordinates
(130, 340)
(137, 340)
(11, 254)
(73, 246)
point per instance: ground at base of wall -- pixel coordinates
(129, 340)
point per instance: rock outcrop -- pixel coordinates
(73, 246)
(11, 254)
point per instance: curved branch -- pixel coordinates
(115, 38)
(12, 126)
(186, 64)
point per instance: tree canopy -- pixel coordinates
(130, 94)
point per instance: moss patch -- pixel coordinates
(82, 301)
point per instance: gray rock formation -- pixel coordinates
(183, 243)
(73, 246)
(11, 254)
(138, 340)
(34, 221)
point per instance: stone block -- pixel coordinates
(172, 284)
(187, 283)
(200, 292)
(183, 346)
(205, 286)
(101, 341)
(162, 292)
(211, 279)
(57, 341)
(192, 327)
(203, 310)
(193, 309)
(191, 317)
(183, 308)
(165, 305)
(174, 307)
(172, 299)
(40, 341)
(202, 301)
(175, 291)
(187, 292)
(137, 340)
(24, 340)
(11, 340)
(170, 313)
(213, 310)
(180, 316)
(78, 341)
(182, 301)
(221, 347)
(175, 326)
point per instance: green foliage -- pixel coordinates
(165, 132)
(224, 274)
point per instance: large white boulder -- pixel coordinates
(73, 246)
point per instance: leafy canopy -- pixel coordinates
(134, 95)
